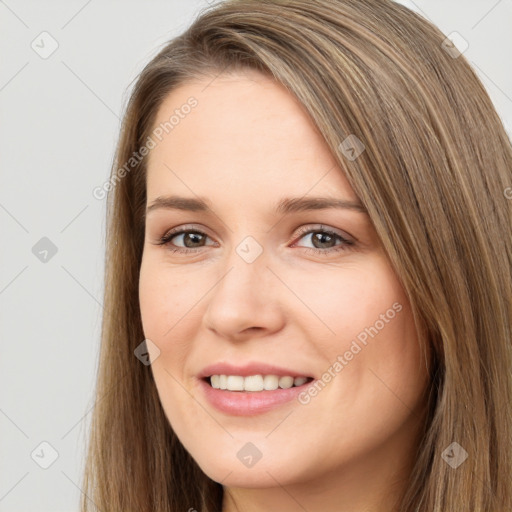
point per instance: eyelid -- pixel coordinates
(321, 227)
(186, 227)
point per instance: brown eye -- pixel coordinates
(324, 241)
(190, 239)
(184, 240)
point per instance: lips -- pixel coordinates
(246, 403)
(242, 402)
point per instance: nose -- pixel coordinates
(245, 302)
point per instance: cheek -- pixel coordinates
(364, 332)
(165, 301)
(345, 302)
(171, 307)
(164, 297)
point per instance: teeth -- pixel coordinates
(255, 382)
(298, 381)
(271, 382)
(235, 383)
(286, 382)
(215, 381)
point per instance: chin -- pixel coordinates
(230, 471)
(248, 478)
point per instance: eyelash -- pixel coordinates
(345, 244)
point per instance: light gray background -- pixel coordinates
(60, 118)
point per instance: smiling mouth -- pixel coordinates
(255, 383)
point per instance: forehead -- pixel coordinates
(246, 136)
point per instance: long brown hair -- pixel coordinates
(433, 175)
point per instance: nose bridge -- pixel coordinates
(246, 271)
(241, 297)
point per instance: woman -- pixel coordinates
(308, 281)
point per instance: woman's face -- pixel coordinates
(270, 284)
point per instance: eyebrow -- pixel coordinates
(285, 206)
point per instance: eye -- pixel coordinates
(192, 239)
(324, 240)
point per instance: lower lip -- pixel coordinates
(249, 403)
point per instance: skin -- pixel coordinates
(246, 145)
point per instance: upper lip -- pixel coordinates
(251, 368)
